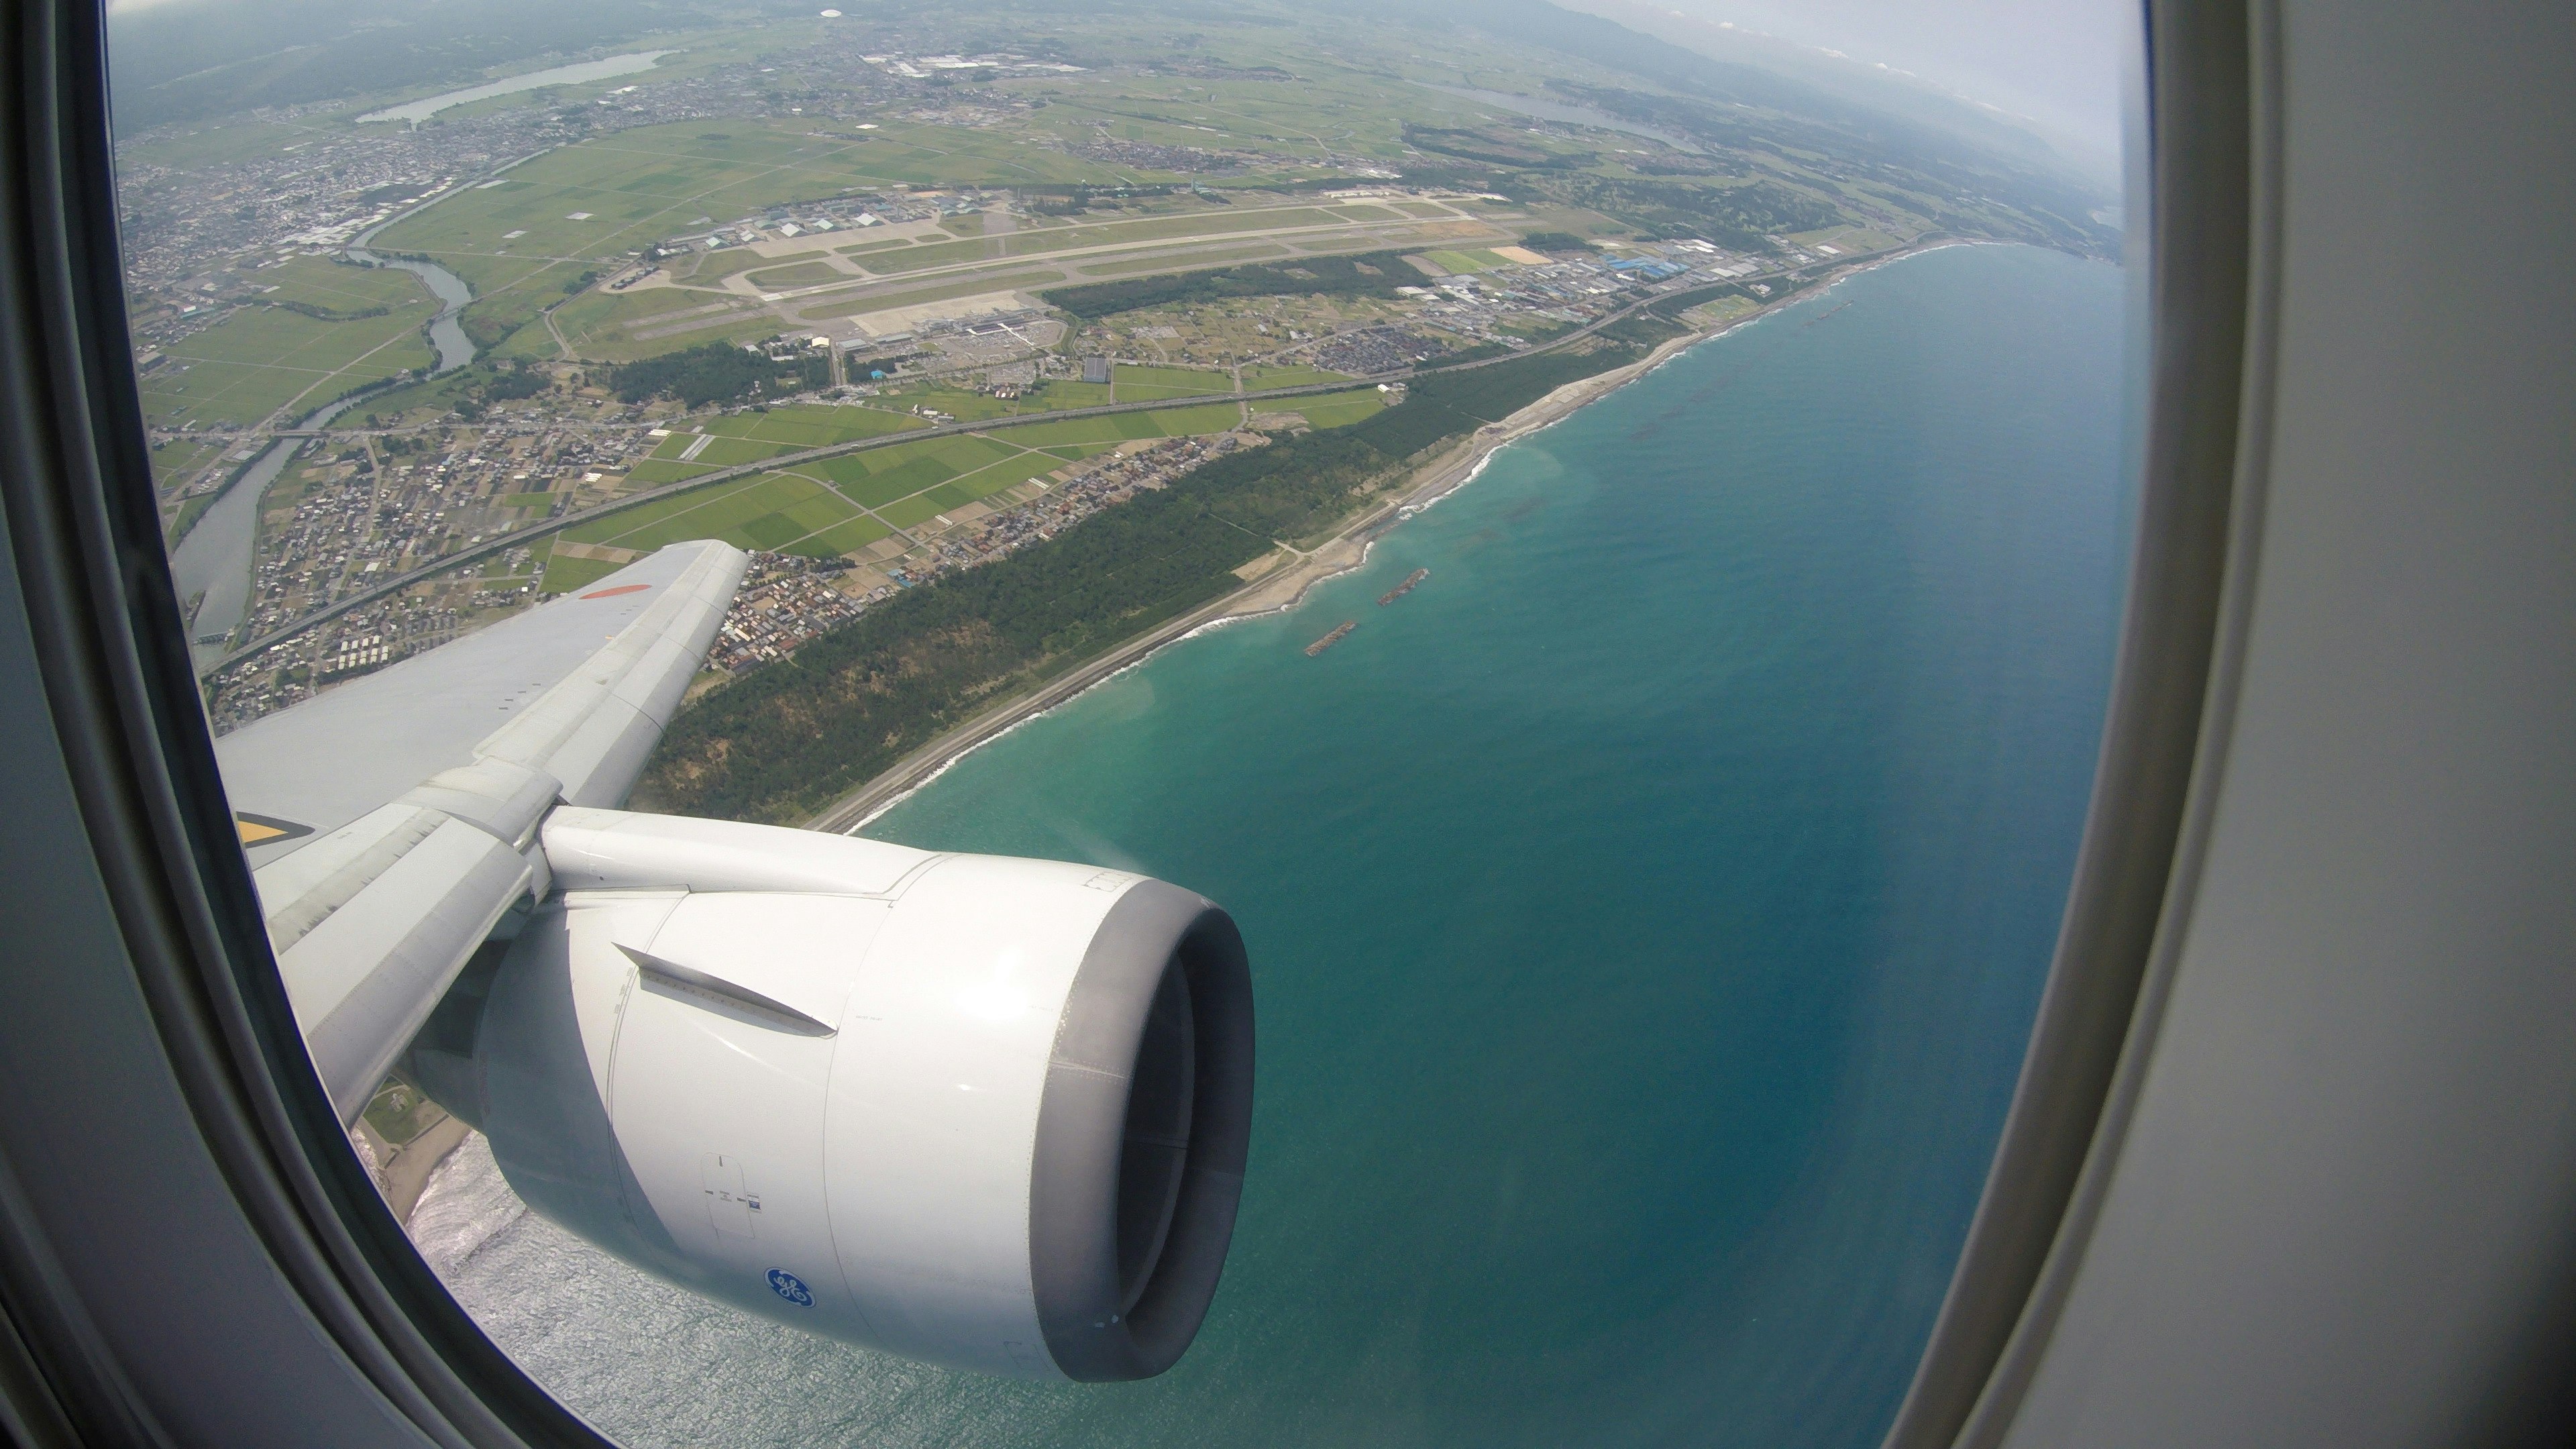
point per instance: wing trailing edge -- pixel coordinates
(372, 917)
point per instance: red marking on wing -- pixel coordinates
(613, 593)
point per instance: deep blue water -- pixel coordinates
(1647, 912)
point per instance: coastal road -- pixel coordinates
(530, 533)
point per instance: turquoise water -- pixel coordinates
(1646, 912)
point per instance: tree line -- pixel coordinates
(715, 372)
(1376, 274)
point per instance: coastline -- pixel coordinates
(1281, 588)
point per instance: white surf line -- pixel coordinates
(1139, 662)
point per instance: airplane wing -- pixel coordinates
(392, 822)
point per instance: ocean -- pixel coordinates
(1647, 914)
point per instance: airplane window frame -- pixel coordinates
(113, 654)
(140, 763)
(2213, 145)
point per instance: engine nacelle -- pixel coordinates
(982, 1112)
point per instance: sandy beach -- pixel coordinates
(1281, 579)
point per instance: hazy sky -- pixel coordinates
(2055, 61)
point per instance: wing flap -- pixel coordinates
(365, 977)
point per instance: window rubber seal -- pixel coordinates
(85, 536)
(2213, 176)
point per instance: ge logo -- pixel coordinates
(788, 1286)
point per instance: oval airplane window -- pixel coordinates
(1156, 725)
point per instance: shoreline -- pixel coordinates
(1282, 588)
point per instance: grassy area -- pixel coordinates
(748, 512)
(1173, 261)
(177, 458)
(1141, 383)
(817, 508)
(716, 450)
(1457, 262)
(262, 357)
(1265, 375)
(933, 254)
(708, 268)
(815, 425)
(803, 274)
(1058, 395)
(335, 287)
(602, 318)
(563, 575)
(1340, 409)
(653, 472)
(969, 287)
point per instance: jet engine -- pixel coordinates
(982, 1112)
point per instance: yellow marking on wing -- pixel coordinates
(253, 833)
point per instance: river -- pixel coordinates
(214, 558)
(562, 75)
(446, 332)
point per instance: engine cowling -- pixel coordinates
(982, 1112)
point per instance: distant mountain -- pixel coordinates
(193, 60)
(1909, 98)
(1706, 98)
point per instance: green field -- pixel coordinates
(803, 274)
(1339, 409)
(1464, 261)
(718, 451)
(815, 425)
(175, 458)
(766, 511)
(969, 287)
(1212, 223)
(655, 472)
(1260, 376)
(1177, 261)
(335, 286)
(608, 340)
(1058, 395)
(823, 508)
(602, 317)
(1141, 383)
(711, 267)
(563, 575)
(262, 358)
